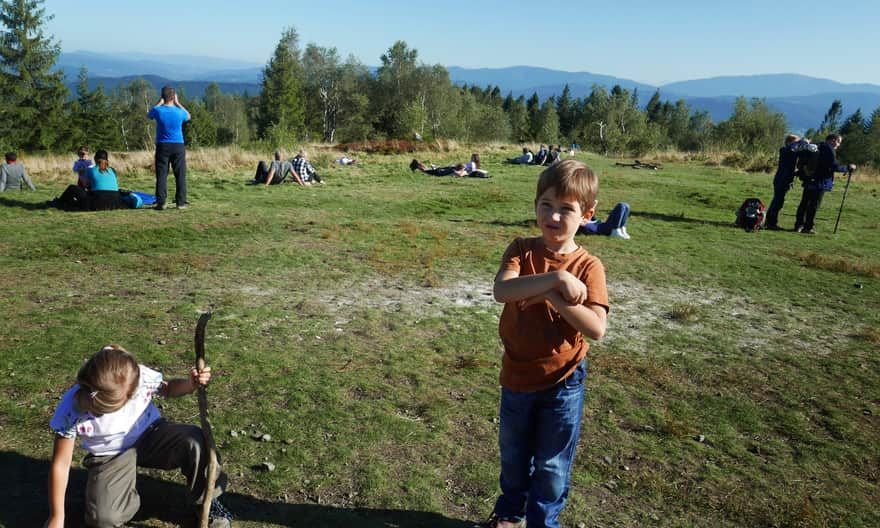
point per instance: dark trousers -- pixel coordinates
(111, 495)
(104, 200)
(173, 154)
(439, 171)
(262, 172)
(74, 198)
(779, 192)
(806, 212)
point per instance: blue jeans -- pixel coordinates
(616, 219)
(537, 438)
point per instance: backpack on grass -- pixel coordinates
(750, 215)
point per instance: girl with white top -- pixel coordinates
(111, 408)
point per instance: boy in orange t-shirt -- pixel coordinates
(554, 294)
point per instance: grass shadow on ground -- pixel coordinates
(678, 218)
(30, 206)
(26, 504)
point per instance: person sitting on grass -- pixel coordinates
(81, 165)
(613, 226)
(460, 170)
(111, 408)
(554, 295)
(101, 192)
(526, 159)
(13, 175)
(274, 173)
(542, 154)
(303, 172)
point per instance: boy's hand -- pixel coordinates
(200, 377)
(531, 301)
(54, 522)
(571, 288)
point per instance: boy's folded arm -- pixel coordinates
(511, 287)
(590, 319)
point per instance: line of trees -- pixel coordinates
(314, 94)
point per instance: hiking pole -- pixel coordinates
(845, 189)
(210, 446)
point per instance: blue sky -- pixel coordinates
(650, 41)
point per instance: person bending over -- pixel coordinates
(110, 408)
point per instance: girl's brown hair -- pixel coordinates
(107, 380)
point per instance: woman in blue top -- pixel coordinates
(103, 187)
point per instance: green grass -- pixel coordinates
(737, 384)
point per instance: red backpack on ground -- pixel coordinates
(750, 215)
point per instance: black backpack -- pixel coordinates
(750, 215)
(807, 165)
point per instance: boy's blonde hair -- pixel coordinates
(571, 179)
(107, 380)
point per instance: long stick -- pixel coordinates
(845, 190)
(210, 446)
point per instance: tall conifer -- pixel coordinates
(32, 112)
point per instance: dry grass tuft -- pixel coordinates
(870, 335)
(838, 265)
(684, 312)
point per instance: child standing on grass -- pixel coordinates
(81, 167)
(554, 293)
(111, 408)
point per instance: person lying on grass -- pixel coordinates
(470, 169)
(554, 296)
(111, 408)
(613, 226)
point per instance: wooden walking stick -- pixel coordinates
(210, 446)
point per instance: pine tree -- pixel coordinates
(32, 113)
(91, 118)
(280, 116)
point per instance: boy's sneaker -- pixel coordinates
(494, 521)
(625, 232)
(219, 516)
(618, 233)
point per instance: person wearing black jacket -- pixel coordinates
(822, 182)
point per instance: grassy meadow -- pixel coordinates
(353, 323)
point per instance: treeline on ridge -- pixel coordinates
(316, 95)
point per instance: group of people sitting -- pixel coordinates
(470, 169)
(545, 156)
(97, 187)
(298, 170)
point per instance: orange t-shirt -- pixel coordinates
(540, 347)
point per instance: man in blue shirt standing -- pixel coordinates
(170, 150)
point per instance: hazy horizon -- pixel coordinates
(648, 42)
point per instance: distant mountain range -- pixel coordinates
(804, 100)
